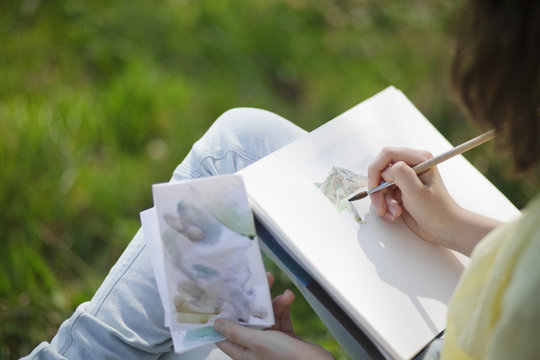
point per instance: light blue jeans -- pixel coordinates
(125, 318)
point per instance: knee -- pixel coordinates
(256, 123)
(243, 118)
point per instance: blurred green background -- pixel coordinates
(100, 99)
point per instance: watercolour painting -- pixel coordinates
(339, 185)
(210, 258)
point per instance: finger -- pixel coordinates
(374, 179)
(404, 176)
(236, 333)
(285, 313)
(270, 278)
(390, 155)
(377, 199)
(235, 351)
(281, 305)
(392, 204)
(387, 157)
(428, 176)
(278, 306)
(284, 300)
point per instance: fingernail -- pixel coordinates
(391, 213)
(393, 210)
(219, 326)
(388, 216)
(288, 294)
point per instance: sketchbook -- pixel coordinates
(394, 286)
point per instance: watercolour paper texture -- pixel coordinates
(392, 284)
(206, 258)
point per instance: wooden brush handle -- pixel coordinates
(467, 145)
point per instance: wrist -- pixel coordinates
(469, 229)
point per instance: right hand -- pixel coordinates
(423, 201)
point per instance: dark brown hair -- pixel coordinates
(495, 73)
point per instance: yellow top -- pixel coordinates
(495, 311)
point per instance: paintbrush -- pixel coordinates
(428, 164)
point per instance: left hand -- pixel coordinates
(277, 342)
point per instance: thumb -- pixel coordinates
(404, 176)
(236, 333)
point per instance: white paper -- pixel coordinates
(206, 262)
(392, 284)
(152, 239)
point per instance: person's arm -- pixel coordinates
(275, 343)
(424, 202)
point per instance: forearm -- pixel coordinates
(468, 229)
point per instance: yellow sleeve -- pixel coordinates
(516, 332)
(495, 310)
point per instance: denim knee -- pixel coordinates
(237, 138)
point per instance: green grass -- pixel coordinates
(100, 99)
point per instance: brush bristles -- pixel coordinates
(359, 196)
